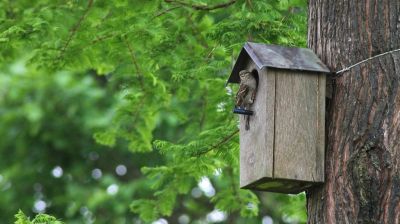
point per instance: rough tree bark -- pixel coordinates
(363, 117)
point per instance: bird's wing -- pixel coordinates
(243, 90)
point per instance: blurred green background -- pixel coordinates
(116, 111)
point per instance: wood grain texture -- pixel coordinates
(296, 126)
(284, 149)
(320, 150)
(362, 183)
(256, 144)
(270, 115)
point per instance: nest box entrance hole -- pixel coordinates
(254, 73)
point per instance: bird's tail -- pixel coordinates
(247, 126)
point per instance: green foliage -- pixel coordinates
(39, 219)
(145, 80)
(21, 218)
(47, 124)
(237, 200)
(290, 211)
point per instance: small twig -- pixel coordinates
(202, 7)
(204, 109)
(223, 141)
(75, 28)
(138, 109)
(196, 32)
(134, 62)
(211, 52)
(166, 11)
(101, 38)
(250, 4)
(233, 181)
(235, 189)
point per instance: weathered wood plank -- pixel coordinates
(320, 151)
(296, 125)
(256, 144)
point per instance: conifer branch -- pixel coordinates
(102, 38)
(134, 62)
(231, 176)
(250, 4)
(204, 110)
(223, 141)
(140, 78)
(75, 28)
(196, 32)
(202, 7)
(166, 11)
(138, 109)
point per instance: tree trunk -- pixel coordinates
(362, 181)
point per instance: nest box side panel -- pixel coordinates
(256, 144)
(296, 125)
(320, 153)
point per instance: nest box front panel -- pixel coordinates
(283, 151)
(297, 126)
(256, 144)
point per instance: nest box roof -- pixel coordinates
(273, 56)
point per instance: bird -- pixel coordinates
(247, 93)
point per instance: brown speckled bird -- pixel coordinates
(247, 93)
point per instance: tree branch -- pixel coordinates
(196, 32)
(75, 28)
(202, 7)
(135, 63)
(166, 11)
(223, 141)
(102, 38)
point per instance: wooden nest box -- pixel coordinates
(284, 148)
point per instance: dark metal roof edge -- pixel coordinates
(248, 52)
(297, 69)
(234, 76)
(247, 46)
